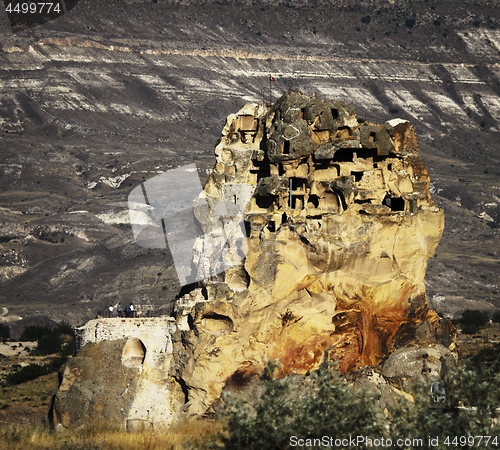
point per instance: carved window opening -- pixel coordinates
(366, 153)
(343, 155)
(248, 229)
(265, 202)
(313, 201)
(297, 201)
(321, 165)
(286, 147)
(134, 353)
(395, 203)
(389, 167)
(357, 176)
(372, 137)
(261, 171)
(335, 113)
(271, 226)
(298, 184)
(302, 112)
(343, 132)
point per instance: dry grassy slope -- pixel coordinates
(115, 93)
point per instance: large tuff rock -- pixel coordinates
(340, 227)
(96, 384)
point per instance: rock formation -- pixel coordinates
(340, 226)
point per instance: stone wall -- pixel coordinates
(153, 332)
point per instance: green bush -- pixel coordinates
(495, 318)
(282, 411)
(50, 339)
(27, 373)
(65, 328)
(322, 406)
(34, 332)
(4, 332)
(50, 343)
(32, 371)
(472, 321)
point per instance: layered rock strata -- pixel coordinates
(340, 226)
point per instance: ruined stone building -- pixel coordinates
(340, 226)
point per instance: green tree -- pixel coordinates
(50, 339)
(472, 320)
(310, 407)
(50, 343)
(4, 332)
(495, 318)
(322, 404)
(34, 332)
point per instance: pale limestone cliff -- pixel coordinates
(340, 227)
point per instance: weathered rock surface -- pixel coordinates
(340, 227)
(121, 374)
(99, 96)
(95, 385)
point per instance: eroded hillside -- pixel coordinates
(112, 94)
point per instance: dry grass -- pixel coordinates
(486, 337)
(100, 437)
(25, 404)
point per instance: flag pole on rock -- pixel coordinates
(271, 79)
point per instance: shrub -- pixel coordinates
(50, 339)
(495, 318)
(472, 321)
(321, 404)
(34, 332)
(307, 407)
(32, 371)
(410, 23)
(26, 373)
(4, 332)
(65, 328)
(50, 343)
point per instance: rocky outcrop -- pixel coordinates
(95, 385)
(340, 226)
